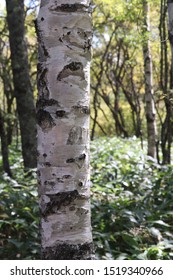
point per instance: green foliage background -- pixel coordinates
(132, 196)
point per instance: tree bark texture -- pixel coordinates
(165, 83)
(4, 147)
(21, 80)
(149, 99)
(170, 34)
(64, 34)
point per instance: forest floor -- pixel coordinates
(131, 201)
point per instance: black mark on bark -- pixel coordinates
(42, 49)
(47, 164)
(50, 183)
(42, 103)
(78, 160)
(87, 44)
(69, 8)
(74, 69)
(60, 180)
(41, 72)
(70, 160)
(37, 29)
(42, 83)
(58, 200)
(44, 120)
(45, 50)
(82, 157)
(65, 251)
(61, 114)
(67, 177)
(82, 109)
(74, 66)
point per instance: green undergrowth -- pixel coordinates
(19, 213)
(132, 205)
(132, 202)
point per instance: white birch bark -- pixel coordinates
(149, 99)
(64, 33)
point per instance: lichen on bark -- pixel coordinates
(69, 252)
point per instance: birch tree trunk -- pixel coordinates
(64, 33)
(21, 80)
(149, 99)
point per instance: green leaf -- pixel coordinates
(161, 223)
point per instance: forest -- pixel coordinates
(86, 129)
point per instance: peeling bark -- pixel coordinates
(64, 30)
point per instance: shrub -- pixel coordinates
(131, 202)
(19, 214)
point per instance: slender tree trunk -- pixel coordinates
(6, 77)
(21, 80)
(64, 33)
(9, 94)
(149, 106)
(169, 96)
(4, 147)
(170, 34)
(166, 81)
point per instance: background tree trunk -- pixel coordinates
(166, 80)
(21, 80)
(4, 147)
(64, 33)
(170, 34)
(149, 99)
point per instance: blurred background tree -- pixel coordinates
(118, 74)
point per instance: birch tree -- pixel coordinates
(64, 33)
(149, 99)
